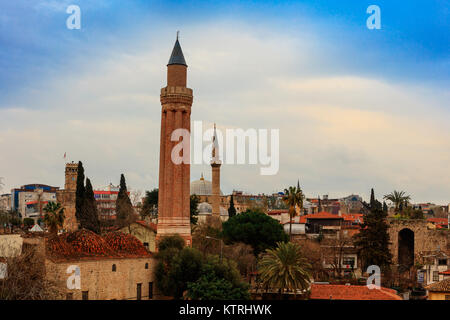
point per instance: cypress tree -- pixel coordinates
(124, 208)
(373, 239)
(80, 194)
(372, 197)
(385, 207)
(90, 209)
(319, 209)
(231, 209)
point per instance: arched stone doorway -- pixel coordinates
(406, 248)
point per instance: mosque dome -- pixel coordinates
(204, 208)
(202, 187)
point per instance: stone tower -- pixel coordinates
(174, 179)
(67, 197)
(71, 176)
(215, 167)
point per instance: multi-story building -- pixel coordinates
(243, 201)
(5, 202)
(106, 201)
(323, 204)
(433, 268)
(30, 199)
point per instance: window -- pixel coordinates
(69, 296)
(146, 265)
(146, 245)
(139, 291)
(447, 297)
(85, 295)
(150, 290)
(435, 275)
(114, 268)
(348, 261)
(442, 262)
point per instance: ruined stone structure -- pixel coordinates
(67, 196)
(410, 238)
(174, 178)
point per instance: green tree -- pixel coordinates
(293, 197)
(194, 201)
(171, 242)
(80, 195)
(54, 216)
(150, 205)
(254, 228)
(231, 209)
(385, 207)
(285, 268)
(124, 209)
(372, 241)
(398, 198)
(173, 272)
(91, 221)
(28, 222)
(218, 281)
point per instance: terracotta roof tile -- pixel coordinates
(351, 292)
(441, 286)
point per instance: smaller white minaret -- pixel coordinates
(215, 166)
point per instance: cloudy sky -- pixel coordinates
(356, 108)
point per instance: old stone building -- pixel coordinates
(86, 266)
(144, 232)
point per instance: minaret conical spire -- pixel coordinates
(177, 56)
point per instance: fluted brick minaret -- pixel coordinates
(215, 167)
(174, 179)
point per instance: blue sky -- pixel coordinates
(401, 71)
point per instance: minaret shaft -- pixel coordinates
(174, 178)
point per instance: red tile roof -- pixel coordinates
(350, 292)
(86, 244)
(441, 286)
(323, 215)
(275, 212)
(443, 221)
(447, 272)
(148, 225)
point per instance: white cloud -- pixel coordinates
(339, 133)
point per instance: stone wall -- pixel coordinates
(424, 239)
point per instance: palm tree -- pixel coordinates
(54, 216)
(293, 197)
(285, 268)
(397, 198)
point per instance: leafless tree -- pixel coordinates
(25, 278)
(136, 197)
(333, 251)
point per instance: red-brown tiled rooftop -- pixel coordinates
(85, 244)
(350, 292)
